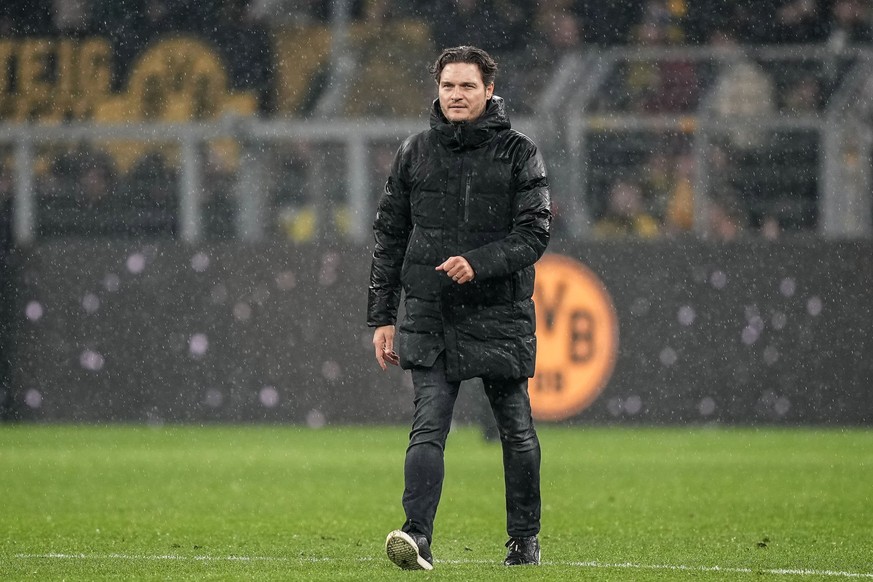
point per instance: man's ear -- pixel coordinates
(489, 91)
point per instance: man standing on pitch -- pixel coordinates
(464, 216)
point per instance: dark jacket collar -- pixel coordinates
(469, 135)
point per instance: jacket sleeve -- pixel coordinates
(391, 229)
(529, 236)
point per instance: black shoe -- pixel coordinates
(523, 552)
(410, 551)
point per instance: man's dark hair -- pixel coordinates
(466, 54)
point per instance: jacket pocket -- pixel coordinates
(487, 211)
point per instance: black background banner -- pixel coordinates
(130, 332)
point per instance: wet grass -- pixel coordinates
(287, 503)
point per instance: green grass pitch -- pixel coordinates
(290, 503)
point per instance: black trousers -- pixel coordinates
(424, 469)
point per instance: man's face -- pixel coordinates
(463, 94)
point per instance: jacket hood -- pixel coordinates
(470, 134)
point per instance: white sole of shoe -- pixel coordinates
(403, 551)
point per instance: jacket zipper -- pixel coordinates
(467, 199)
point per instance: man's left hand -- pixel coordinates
(458, 269)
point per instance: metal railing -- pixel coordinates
(837, 130)
(255, 138)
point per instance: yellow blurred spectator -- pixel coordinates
(625, 213)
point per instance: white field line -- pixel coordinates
(154, 558)
(681, 568)
(592, 565)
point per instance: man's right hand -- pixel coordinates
(383, 343)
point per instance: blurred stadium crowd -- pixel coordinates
(195, 60)
(503, 25)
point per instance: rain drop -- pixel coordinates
(33, 398)
(90, 303)
(214, 398)
(328, 274)
(781, 406)
(330, 370)
(242, 311)
(34, 311)
(706, 406)
(633, 405)
(718, 279)
(200, 262)
(315, 419)
(668, 356)
(778, 321)
(756, 322)
(269, 397)
(91, 360)
(111, 282)
(286, 280)
(136, 263)
(198, 344)
(686, 315)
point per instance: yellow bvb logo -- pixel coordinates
(577, 338)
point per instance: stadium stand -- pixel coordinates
(669, 83)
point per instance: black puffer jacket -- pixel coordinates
(473, 189)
